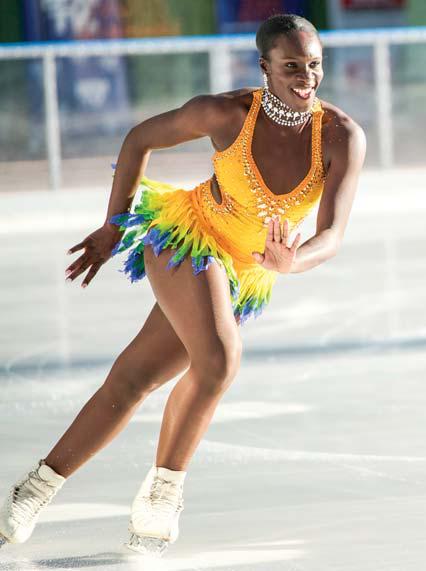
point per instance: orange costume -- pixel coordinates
(193, 223)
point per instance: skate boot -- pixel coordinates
(156, 510)
(20, 511)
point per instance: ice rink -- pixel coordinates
(315, 459)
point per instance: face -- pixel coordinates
(294, 68)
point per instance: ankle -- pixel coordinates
(51, 471)
(176, 476)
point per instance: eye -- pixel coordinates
(315, 63)
(290, 64)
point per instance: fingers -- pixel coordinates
(81, 265)
(77, 247)
(276, 229)
(270, 232)
(94, 268)
(286, 231)
(91, 274)
(280, 233)
(73, 270)
(296, 241)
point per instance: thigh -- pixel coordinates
(198, 306)
(153, 357)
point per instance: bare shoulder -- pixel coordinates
(237, 96)
(222, 103)
(341, 133)
(338, 126)
(214, 114)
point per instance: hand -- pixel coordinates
(278, 256)
(98, 247)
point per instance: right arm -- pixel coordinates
(196, 118)
(201, 116)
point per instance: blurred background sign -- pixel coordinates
(239, 16)
(367, 13)
(373, 4)
(86, 85)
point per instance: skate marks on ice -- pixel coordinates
(241, 410)
(261, 555)
(105, 561)
(78, 511)
(364, 465)
(108, 561)
(218, 452)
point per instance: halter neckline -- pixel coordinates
(245, 137)
(316, 154)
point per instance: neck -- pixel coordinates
(281, 101)
(280, 112)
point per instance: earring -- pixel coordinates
(265, 80)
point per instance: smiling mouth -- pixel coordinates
(303, 93)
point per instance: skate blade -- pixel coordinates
(147, 545)
(3, 540)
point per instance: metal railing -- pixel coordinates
(219, 49)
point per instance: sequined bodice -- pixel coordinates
(241, 219)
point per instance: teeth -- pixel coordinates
(303, 92)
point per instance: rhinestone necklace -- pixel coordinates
(281, 113)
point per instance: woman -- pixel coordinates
(212, 256)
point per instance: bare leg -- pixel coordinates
(138, 370)
(200, 311)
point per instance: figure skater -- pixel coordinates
(212, 256)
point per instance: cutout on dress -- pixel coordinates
(215, 190)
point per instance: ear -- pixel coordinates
(264, 64)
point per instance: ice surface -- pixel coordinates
(315, 459)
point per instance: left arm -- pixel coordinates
(347, 153)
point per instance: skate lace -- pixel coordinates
(165, 496)
(27, 499)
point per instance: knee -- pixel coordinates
(216, 369)
(129, 383)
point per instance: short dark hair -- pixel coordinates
(277, 25)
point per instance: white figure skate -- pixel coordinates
(21, 509)
(155, 511)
